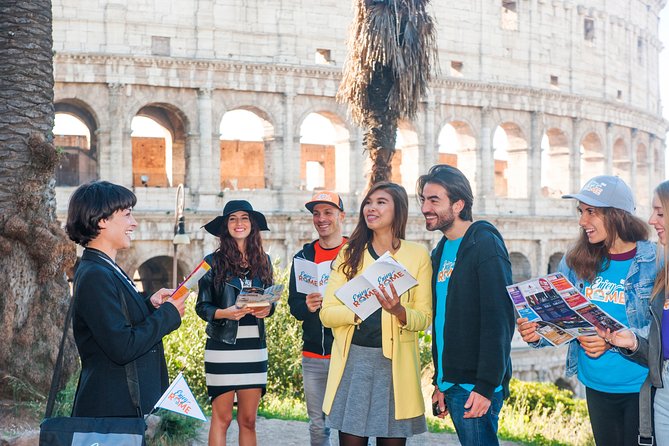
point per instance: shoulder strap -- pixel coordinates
(130, 368)
(58, 369)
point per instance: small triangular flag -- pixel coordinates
(178, 398)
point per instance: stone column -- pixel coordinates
(114, 157)
(429, 154)
(292, 157)
(534, 165)
(608, 149)
(192, 177)
(209, 163)
(357, 161)
(634, 134)
(652, 162)
(486, 169)
(575, 156)
(204, 28)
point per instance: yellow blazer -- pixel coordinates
(400, 343)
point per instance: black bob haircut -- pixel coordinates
(92, 202)
(456, 184)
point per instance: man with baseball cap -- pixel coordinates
(328, 215)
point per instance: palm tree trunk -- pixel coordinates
(34, 251)
(380, 125)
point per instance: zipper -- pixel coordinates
(323, 339)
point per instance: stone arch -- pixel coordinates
(163, 160)
(457, 147)
(622, 162)
(243, 158)
(520, 267)
(327, 154)
(79, 162)
(156, 273)
(643, 175)
(592, 156)
(554, 262)
(405, 163)
(510, 153)
(555, 172)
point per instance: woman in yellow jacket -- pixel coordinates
(373, 387)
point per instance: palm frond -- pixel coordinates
(396, 34)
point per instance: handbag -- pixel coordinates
(86, 431)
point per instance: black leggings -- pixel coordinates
(614, 417)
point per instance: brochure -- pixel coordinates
(559, 309)
(257, 297)
(311, 277)
(190, 284)
(358, 295)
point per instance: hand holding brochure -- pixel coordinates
(358, 295)
(561, 312)
(257, 297)
(311, 277)
(190, 284)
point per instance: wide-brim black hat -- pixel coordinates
(215, 226)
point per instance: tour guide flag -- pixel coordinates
(178, 398)
(190, 284)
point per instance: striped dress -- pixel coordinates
(242, 365)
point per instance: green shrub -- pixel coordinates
(184, 351)
(174, 429)
(545, 395)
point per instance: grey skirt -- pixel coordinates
(364, 404)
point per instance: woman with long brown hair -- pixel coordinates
(235, 357)
(373, 387)
(652, 349)
(613, 265)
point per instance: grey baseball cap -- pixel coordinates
(606, 191)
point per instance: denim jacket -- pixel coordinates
(638, 288)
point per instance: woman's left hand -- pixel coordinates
(261, 312)
(594, 346)
(391, 303)
(160, 296)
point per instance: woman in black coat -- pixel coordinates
(100, 219)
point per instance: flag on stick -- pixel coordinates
(190, 284)
(178, 398)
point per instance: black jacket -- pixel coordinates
(316, 338)
(479, 314)
(209, 300)
(106, 342)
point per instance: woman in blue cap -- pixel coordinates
(612, 264)
(235, 358)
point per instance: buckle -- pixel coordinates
(646, 441)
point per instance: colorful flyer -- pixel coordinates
(257, 297)
(311, 277)
(190, 284)
(561, 311)
(358, 294)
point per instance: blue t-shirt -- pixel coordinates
(446, 265)
(611, 372)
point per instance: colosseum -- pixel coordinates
(532, 98)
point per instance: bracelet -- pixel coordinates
(635, 346)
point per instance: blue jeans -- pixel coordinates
(661, 409)
(315, 377)
(473, 431)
